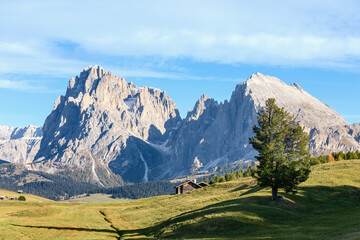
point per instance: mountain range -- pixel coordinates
(109, 127)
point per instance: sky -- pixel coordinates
(187, 48)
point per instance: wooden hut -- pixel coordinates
(189, 186)
(186, 187)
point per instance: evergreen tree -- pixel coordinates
(283, 154)
(22, 198)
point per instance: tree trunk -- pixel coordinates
(274, 193)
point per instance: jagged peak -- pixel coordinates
(261, 78)
(87, 80)
(257, 81)
(200, 107)
(264, 83)
(92, 73)
(96, 69)
(204, 100)
(204, 97)
(297, 86)
(293, 97)
(258, 74)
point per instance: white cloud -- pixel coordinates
(296, 33)
(26, 86)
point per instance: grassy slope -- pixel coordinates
(97, 198)
(29, 197)
(327, 207)
(38, 218)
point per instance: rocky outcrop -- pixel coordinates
(327, 129)
(215, 134)
(19, 145)
(354, 131)
(99, 119)
(107, 128)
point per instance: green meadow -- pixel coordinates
(327, 206)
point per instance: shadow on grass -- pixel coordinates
(258, 217)
(252, 188)
(254, 217)
(68, 228)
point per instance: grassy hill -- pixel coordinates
(29, 197)
(327, 207)
(96, 198)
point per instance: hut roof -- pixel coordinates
(190, 182)
(203, 184)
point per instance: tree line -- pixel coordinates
(334, 157)
(249, 172)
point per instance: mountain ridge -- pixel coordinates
(107, 127)
(19, 144)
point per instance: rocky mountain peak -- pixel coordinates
(204, 97)
(108, 126)
(222, 136)
(205, 103)
(86, 81)
(306, 108)
(298, 87)
(259, 78)
(100, 115)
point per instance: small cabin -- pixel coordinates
(189, 186)
(13, 198)
(20, 191)
(3, 197)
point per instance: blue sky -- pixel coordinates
(186, 48)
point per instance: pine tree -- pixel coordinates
(282, 147)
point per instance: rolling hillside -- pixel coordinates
(29, 197)
(327, 207)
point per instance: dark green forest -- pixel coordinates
(66, 184)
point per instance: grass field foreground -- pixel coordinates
(326, 207)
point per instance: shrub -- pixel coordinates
(21, 198)
(222, 179)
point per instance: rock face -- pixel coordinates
(216, 134)
(109, 127)
(19, 145)
(105, 123)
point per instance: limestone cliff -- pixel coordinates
(100, 116)
(216, 134)
(19, 145)
(107, 128)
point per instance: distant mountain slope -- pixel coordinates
(29, 197)
(112, 130)
(19, 145)
(104, 124)
(215, 134)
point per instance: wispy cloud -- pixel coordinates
(296, 33)
(25, 86)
